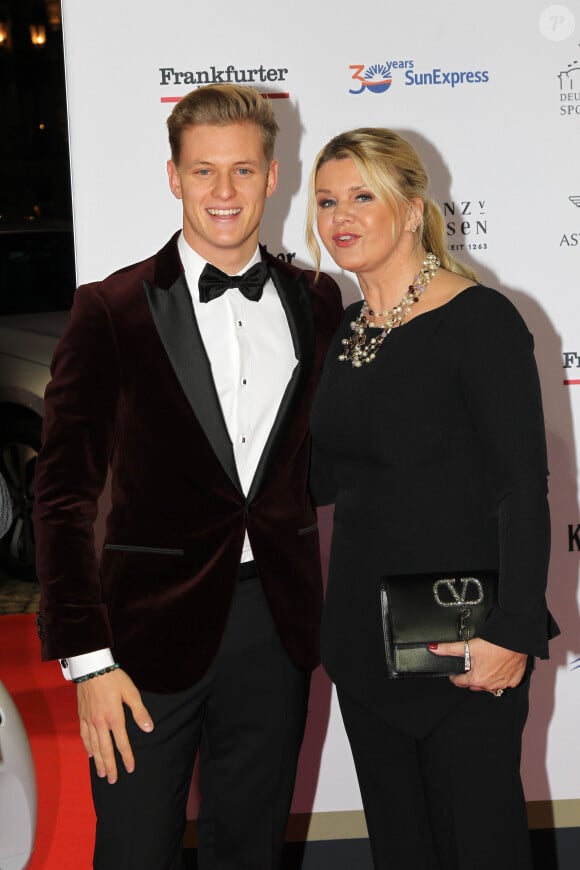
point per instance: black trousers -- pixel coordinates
(246, 719)
(453, 800)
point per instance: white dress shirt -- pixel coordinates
(251, 353)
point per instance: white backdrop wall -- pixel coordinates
(490, 94)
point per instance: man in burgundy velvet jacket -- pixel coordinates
(198, 630)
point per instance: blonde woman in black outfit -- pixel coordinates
(430, 441)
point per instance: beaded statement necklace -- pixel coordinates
(356, 350)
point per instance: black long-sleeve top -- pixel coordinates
(435, 457)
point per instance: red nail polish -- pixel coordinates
(432, 646)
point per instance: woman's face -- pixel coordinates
(359, 231)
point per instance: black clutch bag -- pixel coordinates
(418, 609)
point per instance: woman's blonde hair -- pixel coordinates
(393, 171)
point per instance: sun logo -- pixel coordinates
(376, 78)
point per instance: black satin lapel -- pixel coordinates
(174, 317)
(295, 297)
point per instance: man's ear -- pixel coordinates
(174, 180)
(272, 182)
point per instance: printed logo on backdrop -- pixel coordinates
(573, 538)
(170, 77)
(571, 365)
(378, 77)
(572, 239)
(569, 83)
(465, 224)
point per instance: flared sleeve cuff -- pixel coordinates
(527, 634)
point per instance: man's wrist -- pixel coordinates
(101, 673)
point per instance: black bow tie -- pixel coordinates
(213, 282)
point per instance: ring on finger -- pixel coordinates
(497, 693)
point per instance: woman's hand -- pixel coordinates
(492, 667)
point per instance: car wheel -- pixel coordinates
(19, 446)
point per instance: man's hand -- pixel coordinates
(492, 667)
(102, 720)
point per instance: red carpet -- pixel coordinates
(47, 705)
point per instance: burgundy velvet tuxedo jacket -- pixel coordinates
(132, 390)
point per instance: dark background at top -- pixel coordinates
(34, 159)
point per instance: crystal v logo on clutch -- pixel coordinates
(458, 592)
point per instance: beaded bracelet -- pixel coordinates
(97, 673)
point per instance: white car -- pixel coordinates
(37, 281)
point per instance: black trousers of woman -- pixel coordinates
(246, 718)
(450, 801)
